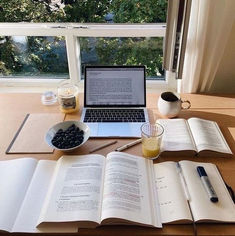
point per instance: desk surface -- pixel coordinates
(219, 108)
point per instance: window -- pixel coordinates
(125, 32)
(33, 56)
(124, 51)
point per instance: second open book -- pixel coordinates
(89, 190)
(194, 136)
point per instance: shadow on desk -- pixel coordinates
(123, 230)
(139, 231)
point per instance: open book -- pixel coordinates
(90, 190)
(177, 207)
(194, 136)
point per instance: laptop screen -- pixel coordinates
(115, 86)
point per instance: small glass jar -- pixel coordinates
(48, 98)
(68, 97)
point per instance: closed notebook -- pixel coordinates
(30, 137)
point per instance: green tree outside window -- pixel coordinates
(44, 53)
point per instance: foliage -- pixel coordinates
(131, 51)
(139, 11)
(40, 54)
(86, 11)
(8, 56)
(29, 11)
(44, 54)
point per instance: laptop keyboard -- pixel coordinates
(114, 115)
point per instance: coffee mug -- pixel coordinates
(170, 104)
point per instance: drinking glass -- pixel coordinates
(151, 135)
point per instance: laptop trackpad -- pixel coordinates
(114, 129)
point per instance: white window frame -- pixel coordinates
(71, 32)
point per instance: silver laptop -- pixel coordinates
(115, 100)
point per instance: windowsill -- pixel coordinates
(35, 87)
(150, 89)
(41, 86)
(54, 89)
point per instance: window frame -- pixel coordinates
(71, 32)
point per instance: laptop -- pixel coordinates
(115, 100)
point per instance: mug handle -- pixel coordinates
(185, 101)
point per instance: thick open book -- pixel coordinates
(90, 190)
(194, 136)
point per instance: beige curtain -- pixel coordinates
(210, 26)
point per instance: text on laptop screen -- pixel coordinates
(115, 86)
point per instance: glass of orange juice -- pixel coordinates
(151, 135)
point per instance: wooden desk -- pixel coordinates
(220, 108)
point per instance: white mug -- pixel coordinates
(170, 104)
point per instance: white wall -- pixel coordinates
(225, 76)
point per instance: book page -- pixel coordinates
(28, 215)
(15, 179)
(172, 198)
(203, 209)
(177, 135)
(76, 190)
(127, 195)
(208, 136)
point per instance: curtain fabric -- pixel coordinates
(210, 26)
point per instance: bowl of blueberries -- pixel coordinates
(67, 135)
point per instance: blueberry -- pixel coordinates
(59, 131)
(55, 143)
(77, 130)
(71, 128)
(81, 132)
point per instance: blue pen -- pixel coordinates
(207, 184)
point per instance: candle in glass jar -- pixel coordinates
(68, 97)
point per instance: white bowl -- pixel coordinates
(65, 125)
